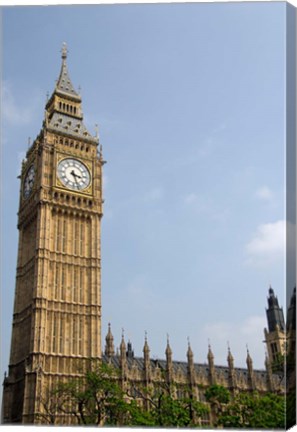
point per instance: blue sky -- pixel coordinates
(190, 102)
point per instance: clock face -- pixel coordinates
(29, 181)
(73, 174)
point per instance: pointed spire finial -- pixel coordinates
(189, 352)
(168, 351)
(230, 356)
(109, 347)
(210, 355)
(64, 51)
(123, 345)
(247, 352)
(146, 349)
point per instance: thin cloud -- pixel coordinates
(264, 194)
(267, 245)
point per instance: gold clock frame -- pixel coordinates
(89, 164)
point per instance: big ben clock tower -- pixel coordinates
(57, 307)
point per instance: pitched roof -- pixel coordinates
(64, 85)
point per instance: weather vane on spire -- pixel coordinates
(64, 50)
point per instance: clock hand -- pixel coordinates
(75, 175)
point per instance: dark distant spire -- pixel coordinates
(130, 352)
(274, 313)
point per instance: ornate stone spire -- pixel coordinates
(191, 371)
(168, 351)
(230, 359)
(231, 375)
(63, 110)
(169, 364)
(146, 358)
(146, 349)
(249, 362)
(190, 354)
(109, 347)
(123, 346)
(64, 85)
(123, 359)
(212, 372)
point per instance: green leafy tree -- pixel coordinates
(163, 410)
(217, 396)
(94, 399)
(251, 410)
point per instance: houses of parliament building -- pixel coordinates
(57, 308)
